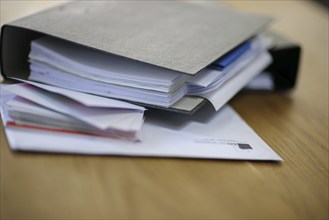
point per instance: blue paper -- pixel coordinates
(230, 57)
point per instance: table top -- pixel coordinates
(294, 124)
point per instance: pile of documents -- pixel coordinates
(67, 65)
(43, 107)
(71, 66)
(88, 70)
(207, 134)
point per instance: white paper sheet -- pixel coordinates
(207, 134)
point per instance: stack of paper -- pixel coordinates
(38, 106)
(68, 65)
(167, 54)
(64, 64)
(206, 134)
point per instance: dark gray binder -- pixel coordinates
(181, 36)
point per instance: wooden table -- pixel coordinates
(295, 125)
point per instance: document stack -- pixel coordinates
(42, 107)
(89, 69)
(63, 64)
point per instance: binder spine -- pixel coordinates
(14, 49)
(286, 61)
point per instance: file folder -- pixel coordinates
(180, 36)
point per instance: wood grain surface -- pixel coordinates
(295, 125)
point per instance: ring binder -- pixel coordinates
(17, 36)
